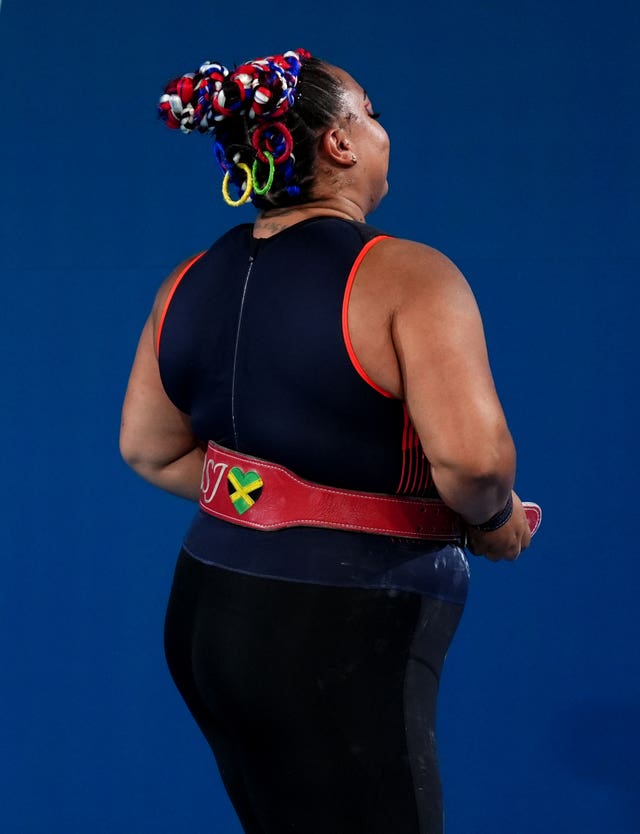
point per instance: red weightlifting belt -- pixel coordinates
(257, 493)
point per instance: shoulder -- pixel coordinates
(414, 259)
(172, 280)
(166, 291)
(177, 274)
(415, 274)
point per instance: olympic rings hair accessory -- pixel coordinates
(248, 186)
(278, 140)
(260, 190)
(252, 97)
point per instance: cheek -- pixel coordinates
(384, 148)
(383, 140)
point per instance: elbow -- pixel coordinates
(482, 466)
(130, 451)
(491, 468)
(476, 484)
(129, 455)
(138, 462)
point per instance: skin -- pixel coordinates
(418, 336)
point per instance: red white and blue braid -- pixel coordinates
(262, 89)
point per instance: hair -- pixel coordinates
(267, 115)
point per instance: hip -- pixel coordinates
(332, 557)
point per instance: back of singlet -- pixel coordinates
(253, 348)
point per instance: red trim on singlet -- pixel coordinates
(415, 477)
(345, 316)
(169, 298)
(405, 433)
(411, 487)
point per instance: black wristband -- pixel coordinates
(498, 520)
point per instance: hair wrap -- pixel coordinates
(258, 93)
(186, 103)
(260, 90)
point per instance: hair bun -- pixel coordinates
(258, 90)
(187, 101)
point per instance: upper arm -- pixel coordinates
(152, 429)
(439, 342)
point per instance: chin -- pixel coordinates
(383, 193)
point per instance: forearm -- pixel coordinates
(181, 476)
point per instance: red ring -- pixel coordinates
(288, 140)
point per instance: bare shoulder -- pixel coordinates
(419, 273)
(419, 261)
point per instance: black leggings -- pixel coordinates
(318, 702)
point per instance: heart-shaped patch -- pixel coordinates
(244, 488)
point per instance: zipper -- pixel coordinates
(235, 353)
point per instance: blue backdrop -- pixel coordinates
(515, 136)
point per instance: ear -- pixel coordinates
(335, 145)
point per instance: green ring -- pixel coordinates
(254, 174)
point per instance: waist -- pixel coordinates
(256, 493)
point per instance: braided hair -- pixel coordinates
(266, 117)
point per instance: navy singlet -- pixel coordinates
(254, 347)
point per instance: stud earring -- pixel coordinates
(353, 158)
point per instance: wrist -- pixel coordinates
(497, 520)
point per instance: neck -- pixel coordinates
(272, 221)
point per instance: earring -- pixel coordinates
(353, 158)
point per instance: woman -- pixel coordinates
(308, 624)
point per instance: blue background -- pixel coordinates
(515, 137)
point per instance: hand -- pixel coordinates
(505, 543)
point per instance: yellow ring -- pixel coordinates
(247, 191)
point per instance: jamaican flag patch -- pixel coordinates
(244, 488)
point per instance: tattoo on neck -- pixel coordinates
(272, 226)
